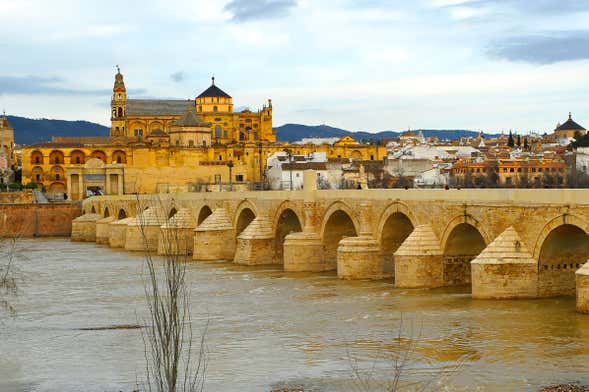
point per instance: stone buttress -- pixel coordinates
(255, 245)
(303, 251)
(360, 257)
(505, 269)
(419, 261)
(214, 238)
(143, 231)
(84, 227)
(117, 230)
(103, 229)
(582, 284)
(176, 236)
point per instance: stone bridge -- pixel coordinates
(505, 243)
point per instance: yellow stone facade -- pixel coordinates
(161, 146)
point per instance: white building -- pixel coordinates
(436, 177)
(286, 172)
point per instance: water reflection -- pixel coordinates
(271, 328)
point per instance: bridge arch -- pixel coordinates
(563, 219)
(395, 224)
(463, 240)
(122, 214)
(203, 214)
(338, 222)
(245, 213)
(286, 221)
(562, 248)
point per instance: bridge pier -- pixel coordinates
(84, 228)
(582, 288)
(214, 238)
(505, 269)
(102, 229)
(143, 231)
(303, 252)
(419, 261)
(255, 245)
(117, 231)
(360, 258)
(176, 236)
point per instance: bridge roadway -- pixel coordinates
(505, 243)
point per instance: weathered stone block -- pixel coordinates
(84, 228)
(582, 283)
(175, 241)
(360, 258)
(176, 236)
(303, 252)
(118, 229)
(419, 261)
(505, 269)
(214, 239)
(103, 229)
(255, 245)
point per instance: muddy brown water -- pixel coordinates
(269, 329)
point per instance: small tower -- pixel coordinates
(118, 109)
(7, 159)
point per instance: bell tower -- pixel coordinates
(118, 109)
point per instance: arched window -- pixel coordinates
(215, 109)
(120, 112)
(191, 143)
(218, 131)
(241, 136)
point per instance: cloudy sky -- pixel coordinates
(357, 64)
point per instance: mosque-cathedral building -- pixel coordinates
(170, 146)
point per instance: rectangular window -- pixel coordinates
(239, 177)
(217, 178)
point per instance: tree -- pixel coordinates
(519, 140)
(168, 338)
(510, 141)
(526, 145)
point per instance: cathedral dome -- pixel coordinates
(213, 92)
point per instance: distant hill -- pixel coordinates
(31, 131)
(294, 132)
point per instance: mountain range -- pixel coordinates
(31, 131)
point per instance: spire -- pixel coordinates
(119, 82)
(570, 116)
(213, 79)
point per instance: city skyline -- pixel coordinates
(491, 65)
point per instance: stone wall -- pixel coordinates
(38, 220)
(24, 197)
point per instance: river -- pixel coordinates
(268, 328)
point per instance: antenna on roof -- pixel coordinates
(213, 78)
(570, 116)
